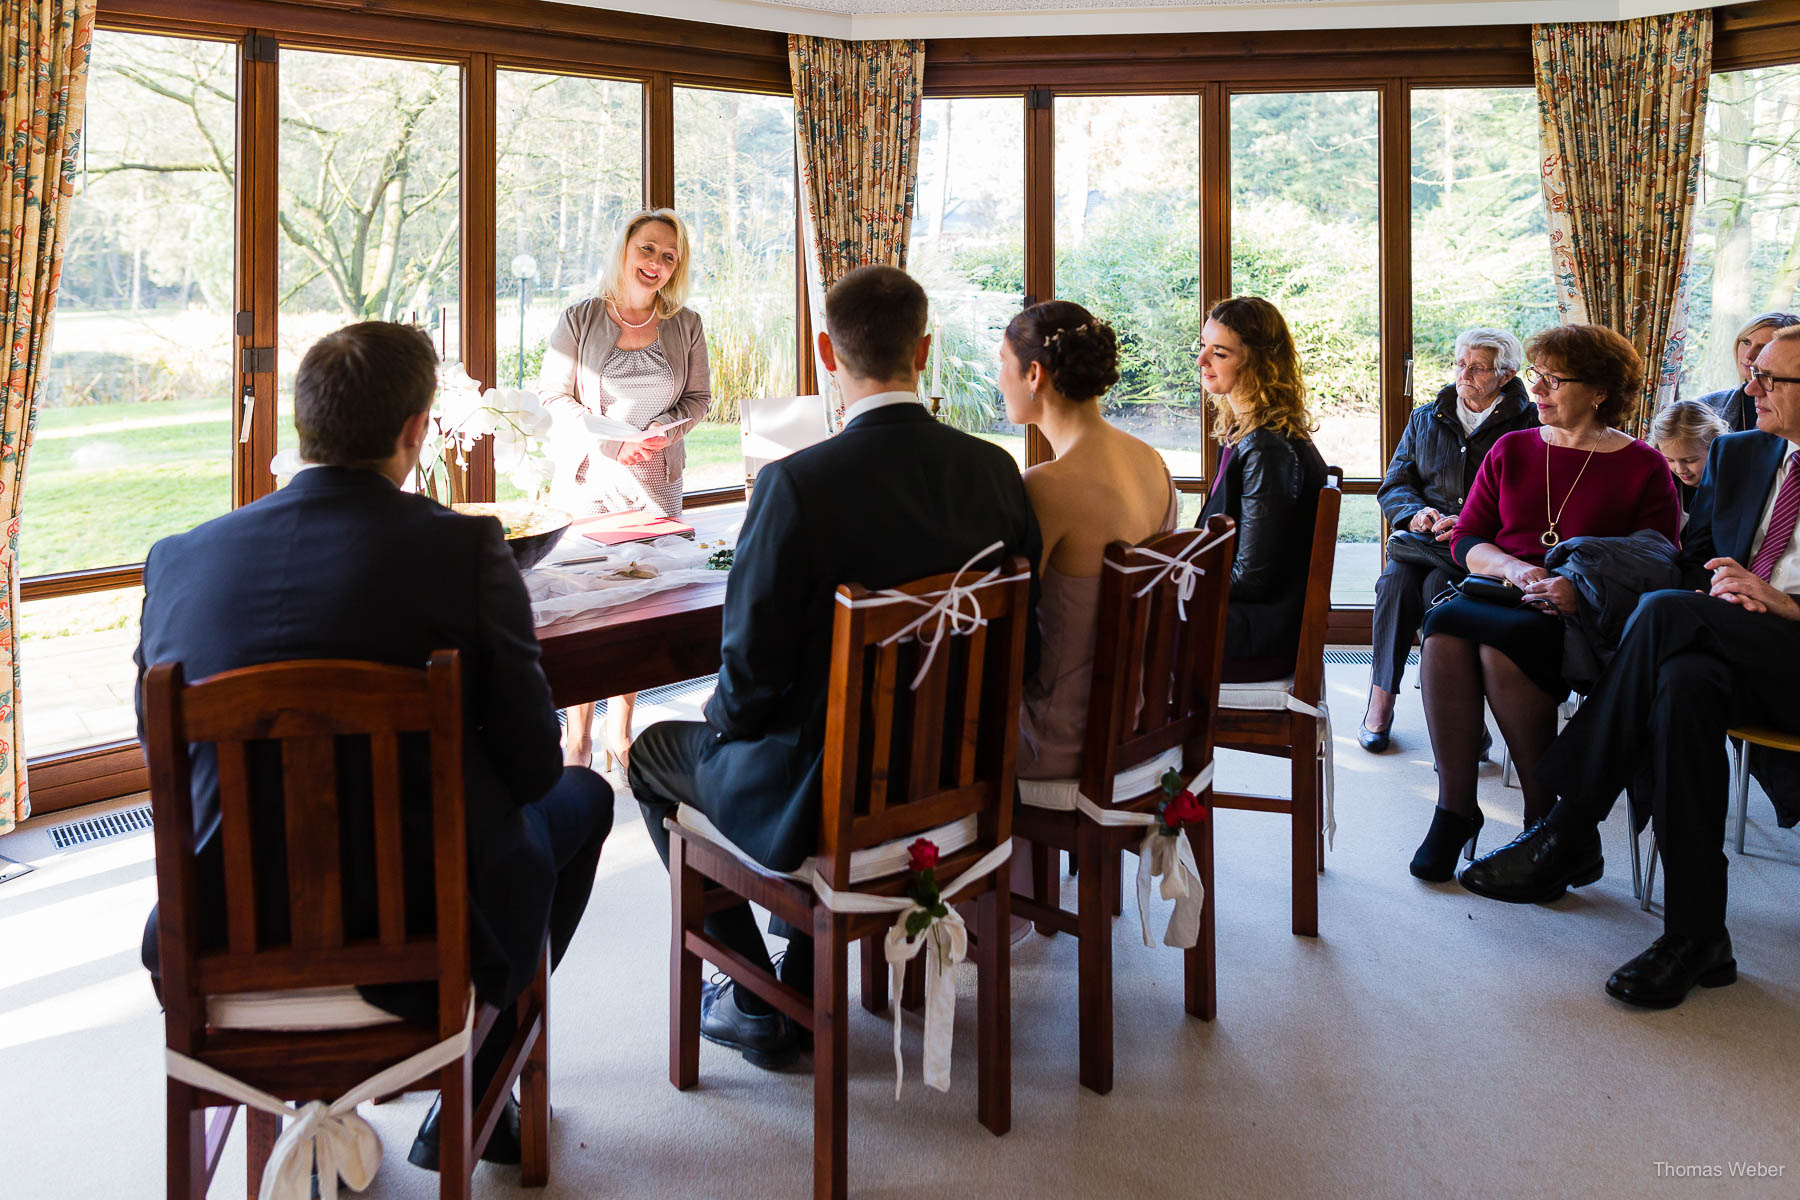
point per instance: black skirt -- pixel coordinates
(1530, 637)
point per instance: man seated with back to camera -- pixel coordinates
(1691, 665)
(342, 563)
(894, 497)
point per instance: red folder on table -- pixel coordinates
(613, 529)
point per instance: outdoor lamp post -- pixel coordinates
(524, 269)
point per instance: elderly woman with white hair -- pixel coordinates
(1433, 468)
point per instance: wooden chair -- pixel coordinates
(1144, 647)
(899, 763)
(1283, 717)
(321, 717)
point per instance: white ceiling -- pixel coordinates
(1036, 18)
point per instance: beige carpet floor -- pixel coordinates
(1427, 1044)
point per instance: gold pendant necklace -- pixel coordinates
(1550, 537)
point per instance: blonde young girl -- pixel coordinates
(1683, 433)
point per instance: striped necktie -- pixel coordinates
(1781, 521)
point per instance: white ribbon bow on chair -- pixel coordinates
(1169, 856)
(346, 1146)
(945, 942)
(1179, 565)
(945, 611)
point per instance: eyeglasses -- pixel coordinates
(1551, 382)
(1474, 370)
(1758, 375)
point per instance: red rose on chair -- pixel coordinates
(1183, 810)
(922, 855)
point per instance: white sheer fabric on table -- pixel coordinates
(577, 580)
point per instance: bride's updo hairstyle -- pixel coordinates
(1078, 351)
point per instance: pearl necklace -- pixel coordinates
(620, 317)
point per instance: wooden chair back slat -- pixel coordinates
(390, 859)
(315, 874)
(905, 732)
(1159, 658)
(968, 742)
(314, 713)
(926, 755)
(1309, 661)
(886, 675)
(1156, 674)
(234, 830)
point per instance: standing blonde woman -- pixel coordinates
(1269, 478)
(1734, 403)
(632, 353)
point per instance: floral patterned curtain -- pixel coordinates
(44, 48)
(1621, 114)
(856, 120)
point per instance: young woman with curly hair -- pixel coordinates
(1268, 481)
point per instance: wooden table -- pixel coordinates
(661, 639)
(664, 638)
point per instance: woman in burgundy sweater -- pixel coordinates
(1578, 475)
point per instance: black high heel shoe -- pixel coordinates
(1435, 860)
(1373, 740)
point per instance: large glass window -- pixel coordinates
(968, 252)
(570, 171)
(370, 211)
(1746, 251)
(1128, 248)
(133, 435)
(1305, 233)
(734, 183)
(133, 429)
(1480, 245)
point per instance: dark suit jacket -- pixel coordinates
(895, 497)
(340, 563)
(1270, 487)
(1722, 523)
(1728, 507)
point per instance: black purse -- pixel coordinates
(1489, 589)
(1421, 549)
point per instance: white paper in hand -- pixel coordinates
(609, 430)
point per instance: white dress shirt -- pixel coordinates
(1786, 575)
(869, 404)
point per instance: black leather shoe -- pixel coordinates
(1485, 754)
(1662, 976)
(504, 1147)
(766, 1041)
(1435, 859)
(1373, 740)
(1537, 866)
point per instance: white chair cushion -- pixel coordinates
(296, 1010)
(1059, 795)
(873, 863)
(1268, 695)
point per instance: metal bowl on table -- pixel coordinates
(532, 530)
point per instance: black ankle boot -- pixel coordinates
(1435, 861)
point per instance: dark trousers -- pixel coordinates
(573, 819)
(1689, 667)
(663, 759)
(1402, 592)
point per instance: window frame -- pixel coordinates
(662, 53)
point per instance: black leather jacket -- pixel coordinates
(1271, 489)
(1434, 466)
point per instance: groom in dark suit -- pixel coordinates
(341, 563)
(894, 497)
(1692, 665)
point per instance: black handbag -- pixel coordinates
(1421, 549)
(1489, 589)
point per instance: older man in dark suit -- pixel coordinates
(894, 497)
(341, 563)
(1692, 664)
